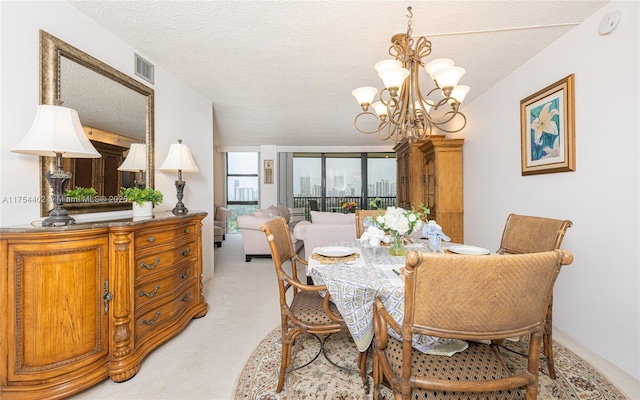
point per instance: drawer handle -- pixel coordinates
(151, 239)
(186, 296)
(151, 321)
(186, 251)
(185, 275)
(150, 294)
(187, 230)
(150, 266)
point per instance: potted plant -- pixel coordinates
(80, 194)
(143, 200)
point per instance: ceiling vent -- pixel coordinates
(144, 69)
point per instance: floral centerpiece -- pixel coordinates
(349, 206)
(399, 222)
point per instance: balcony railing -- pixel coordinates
(334, 204)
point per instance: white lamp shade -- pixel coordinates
(386, 64)
(54, 130)
(364, 95)
(460, 92)
(448, 77)
(393, 77)
(437, 64)
(380, 108)
(179, 159)
(136, 159)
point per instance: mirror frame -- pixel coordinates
(51, 49)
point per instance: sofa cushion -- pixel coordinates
(323, 217)
(300, 230)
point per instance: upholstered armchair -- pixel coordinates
(220, 224)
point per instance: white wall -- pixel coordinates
(180, 113)
(596, 299)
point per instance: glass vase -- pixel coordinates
(397, 246)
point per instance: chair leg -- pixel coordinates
(362, 366)
(284, 363)
(547, 340)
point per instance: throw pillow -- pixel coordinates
(261, 213)
(273, 211)
(284, 212)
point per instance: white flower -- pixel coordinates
(544, 123)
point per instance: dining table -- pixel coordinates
(355, 274)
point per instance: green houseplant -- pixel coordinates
(80, 194)
(140, 196)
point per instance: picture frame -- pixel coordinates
(547, 120)
(268, 171)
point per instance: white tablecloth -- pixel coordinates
(355, 285)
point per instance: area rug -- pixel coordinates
(576, 379)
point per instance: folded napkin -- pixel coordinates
(433, 232)
(374, 236)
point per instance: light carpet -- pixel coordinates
(576, 379)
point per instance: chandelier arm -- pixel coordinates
(380, 126)
(453, 115)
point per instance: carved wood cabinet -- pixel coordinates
(82, 303)
(430, 172)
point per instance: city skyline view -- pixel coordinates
(343, 177)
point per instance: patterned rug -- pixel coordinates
(576, 379)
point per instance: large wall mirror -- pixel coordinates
(115, 111)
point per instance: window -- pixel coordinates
(242, 186)
(331, 178)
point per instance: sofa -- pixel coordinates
(254, 240)
(325, 228)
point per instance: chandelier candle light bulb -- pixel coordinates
(402, 110)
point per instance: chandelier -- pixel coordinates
(402, 110)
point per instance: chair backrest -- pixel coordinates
(527, 234)
(313, 205)
(361, 215)
(282, 250)
(479, 297)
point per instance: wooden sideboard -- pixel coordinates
(430, 172)
(85, 302)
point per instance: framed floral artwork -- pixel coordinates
(547, 129)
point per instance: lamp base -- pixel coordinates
(58, 180)
(180, 209)
(55, 219)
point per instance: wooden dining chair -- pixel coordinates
(528, 234)
(473, 298)
(361, 215)
(306, 311)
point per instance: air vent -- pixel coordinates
(144, 69)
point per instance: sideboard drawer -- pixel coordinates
(157, 237)
(165, 312)
(162, 286)
(156, 263)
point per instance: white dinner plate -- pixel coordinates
(335, 251)
(469, 250)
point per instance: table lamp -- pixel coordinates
(57, 132)
(136, 161)
(179, 159)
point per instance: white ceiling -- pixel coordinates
(282, 72)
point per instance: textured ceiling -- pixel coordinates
(282, 72)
